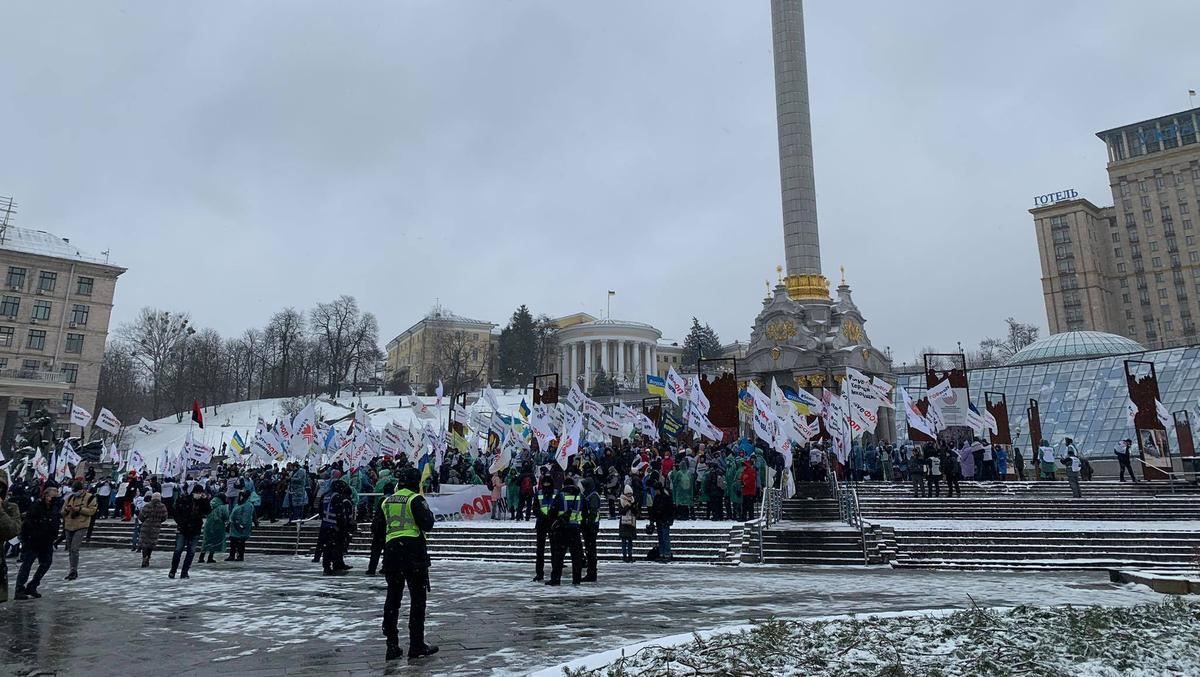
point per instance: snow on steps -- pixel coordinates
(718, 545)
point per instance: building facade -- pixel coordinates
(624, 350)
(1131, 269)
(55, 306)
(458, 350)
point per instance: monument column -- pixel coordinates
(587, 364)
(797, 183)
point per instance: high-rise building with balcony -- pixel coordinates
(1133, 268)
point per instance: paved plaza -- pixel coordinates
(276, 615)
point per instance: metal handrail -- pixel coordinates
(1171, 473)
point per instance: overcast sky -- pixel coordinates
(240, 157)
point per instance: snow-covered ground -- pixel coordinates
(223, 420)
(1150, 639)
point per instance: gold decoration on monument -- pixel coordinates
(853, 331)
(781, 330)
(775, 353)
(807, 287)
(816, 380)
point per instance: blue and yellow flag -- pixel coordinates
(237, 443)
(656, 385)
(459, 442)
(524, 411)
(671, 425)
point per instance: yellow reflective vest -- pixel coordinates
(397, 511)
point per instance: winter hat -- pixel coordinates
(628, 490)
(156, 496)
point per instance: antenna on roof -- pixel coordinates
(7, 209)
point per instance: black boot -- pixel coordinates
(394, 651)
(421, 652)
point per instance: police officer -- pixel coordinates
(591, 527)
(567, 514)
(545, 501)
(404, 518)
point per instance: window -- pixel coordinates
(1169, 325)
(1127, 204)
(1166, 213)
(1196, 173)
(1130, 222)
(16, 278)
(1156, 262)
(1178, 179)
(1125, 298)
(1120, 267)
(46, 281)
(1124, 189)
(1145, 201)
(1117, 252)
(1116, 237)
(71, 371)
(1154, 245)
(10, 306)
(1160, 182)
(41, 310)
(1162, 293)
(37, 340)
(31, 366)
(1062, 251)
(1183, 208)
(1128, 314)
(68, 401)
(1189, 240)
(1142, 187)
(84, 286)
(1194, 257)
(6, 336)
(1187, 224)
(1175, 260)
(1144, 296)
(74, 343)
(1159, 278)
(1124, 283)
(79, 314)
(1147, 216)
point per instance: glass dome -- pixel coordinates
(1073, 345)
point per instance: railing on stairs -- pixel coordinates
(300, 522)
(1174, 477)
(849, 509)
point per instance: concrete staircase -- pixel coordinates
(813, 546)
(512, 542)
(1053, 549)
(1030, 501)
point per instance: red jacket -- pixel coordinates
(749, 480)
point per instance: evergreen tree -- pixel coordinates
(603, 385)
(518, 348)
(701, 341)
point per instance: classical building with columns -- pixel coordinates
(623, 349)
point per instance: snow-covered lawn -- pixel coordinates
(1149, 639)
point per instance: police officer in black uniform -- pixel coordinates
(404, 518)
(590, 527)
(567, 514)
(542, 525)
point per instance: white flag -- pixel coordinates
(941, 391)
(676, 387)
(420, 409)
(696, 394)
(576, 397)
(136, 462)
(68, 453)
(439, 392)
(990, 421)
(592, 408)
(915, 420)
(460, 415)
(883, 392)
(107, 421)
(569, 444)
(1131, 411)
(305, 423)
(539, 424)
(489, 396)
(80, 416)
(1164, 416)
(146, 427)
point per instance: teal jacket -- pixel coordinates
(241, 520)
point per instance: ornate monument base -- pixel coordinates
(807, 343)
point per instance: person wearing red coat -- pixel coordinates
(749, 488)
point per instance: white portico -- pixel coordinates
(626, 351)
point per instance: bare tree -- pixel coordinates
(154, 339)
(1018, 336)
(457, 359)
(284, 332)
(121, 384)
(365, 350)
(334, 324)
